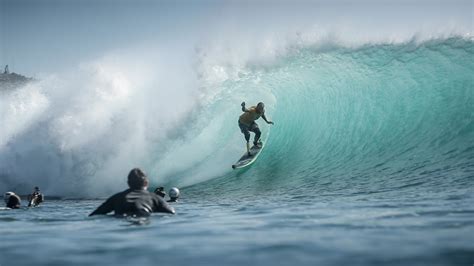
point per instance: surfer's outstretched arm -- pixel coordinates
(268, 122)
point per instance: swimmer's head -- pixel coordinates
(260, 107)
(174, 193)
(7, 196)
(137, 179)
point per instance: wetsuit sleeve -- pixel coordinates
(161, 205)
(105, 208)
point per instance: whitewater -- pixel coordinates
(370, 160)
(390, 113)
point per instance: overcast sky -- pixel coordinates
(41, 36)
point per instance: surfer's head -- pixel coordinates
(260, 107)
(174, 193)
(137, 179)
(7, 195)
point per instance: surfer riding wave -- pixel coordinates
(247, 123)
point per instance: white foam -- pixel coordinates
(162, 107)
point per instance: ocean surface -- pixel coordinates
(370, 162)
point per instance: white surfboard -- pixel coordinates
(247, 159)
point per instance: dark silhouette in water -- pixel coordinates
(35, 198)
(174, 195)
(135, 201)
(160, 191)
(12, 200)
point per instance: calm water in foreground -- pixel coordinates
(322, 230)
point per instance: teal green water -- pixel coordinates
(370, 162)
(379, 117)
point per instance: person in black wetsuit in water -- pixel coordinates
(135, 201)
(160, 191)
(174, 195)
(12, 200)
(35, 198)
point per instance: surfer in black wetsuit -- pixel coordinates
(12, 200)
(35, 198)
(135, 201)
(160, 191)
(174, 195)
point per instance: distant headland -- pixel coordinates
(11, 80)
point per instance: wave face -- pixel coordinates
(374, 117)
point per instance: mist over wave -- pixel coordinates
(78, 133)
(384, 110)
